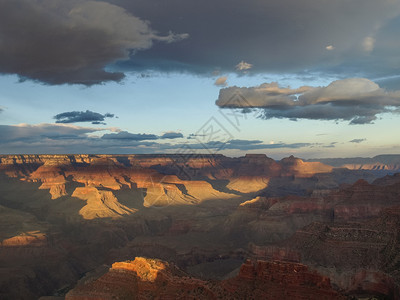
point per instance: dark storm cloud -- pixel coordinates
(357, 141)
(357, 100)
(272, 36)
(56, 41)
(82, 116)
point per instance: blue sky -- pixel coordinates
(122, 76)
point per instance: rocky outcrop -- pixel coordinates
(248, 184)
(30, 239)
(154, 279)
(142, 279)
(100, 204)
(277, 280)
(295, 166)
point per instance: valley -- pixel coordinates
(70, 223)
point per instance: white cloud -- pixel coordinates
(221, 81)
(356, 99)
(368, 44)
(243, 66)
(329, 47)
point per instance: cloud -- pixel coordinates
(172, 135)
(67, 138)
(244, 145)
(368, 44)
(33, 133)
(255, 144)
(127, 136)
(243, 66)
(275, 36)
(329, 48)
(357, 141)
(56, 41)
(357, 100)
(195, 135)
(124, 135)
(221, 81)
(89, 42)
(82, 116)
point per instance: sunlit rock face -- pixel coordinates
(154, 180)
(162, 179)
(145, 278)
(100, 204)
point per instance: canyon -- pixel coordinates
(198, 226)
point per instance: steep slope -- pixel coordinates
(361, 258)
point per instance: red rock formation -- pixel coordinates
(100, 204)
(52, 178)
(154, 279)
(363, 200)
(142, 279)
(30, 239)
(248, 174)
(299, 168)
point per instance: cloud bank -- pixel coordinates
(89, 42)
(357, 100)
(67, 138)
(274, 36)
(26, 133)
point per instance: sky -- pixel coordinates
(310, 78)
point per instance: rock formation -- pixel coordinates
(62, 216)
(154, 279)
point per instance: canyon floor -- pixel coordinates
(203, 227)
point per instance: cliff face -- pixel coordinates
(154, 279)
(370, 248)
